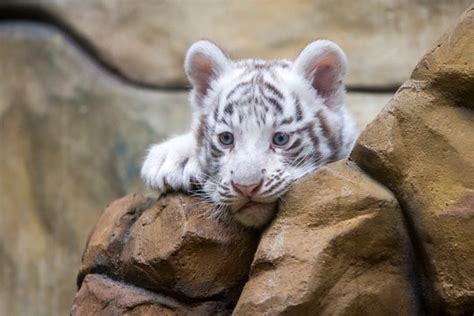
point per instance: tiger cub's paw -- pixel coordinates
(172, 165)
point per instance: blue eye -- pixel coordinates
(280, 139)
(226, 138)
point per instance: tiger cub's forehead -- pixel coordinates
(258, 71)
(254, 92)
(261, 64)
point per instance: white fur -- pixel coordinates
(172, 164)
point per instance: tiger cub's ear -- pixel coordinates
(323, 64)
(204, 63)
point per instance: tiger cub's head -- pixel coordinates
(261, 125)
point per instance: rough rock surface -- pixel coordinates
(170, 246)
(146, 39)
(100, 295)
(337, 247)
(422, 147)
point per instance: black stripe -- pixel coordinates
(275, 177)
(216, 152)
(298, 152)
(309, 129)
(224, 121)
(281, 63)
(295, 144)
(273, 186)
(286, 121)
(278, 193)
(299, 110)
(229, 108)
(276, 104)
(237, 87)
(328, 134)
(274, 90)
(270, 181)
(225, 194)
(201, 131)
(184, 162)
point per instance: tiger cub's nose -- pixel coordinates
(247, 190)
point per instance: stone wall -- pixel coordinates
(85, 86)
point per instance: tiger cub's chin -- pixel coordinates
(255, 214)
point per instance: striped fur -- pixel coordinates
(253, 100)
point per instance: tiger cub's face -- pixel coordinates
(261, 125)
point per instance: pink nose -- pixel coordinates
(246, 189)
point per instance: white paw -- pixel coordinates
(172, 165)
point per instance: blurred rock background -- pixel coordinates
(86, 85)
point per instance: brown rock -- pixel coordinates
(171, 246)
(337, 247)
(146, 39)
(422, 147)
(100, 295)
(108, 238)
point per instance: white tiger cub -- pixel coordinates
(257, 127)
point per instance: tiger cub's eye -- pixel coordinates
(226, 138)
(280, 139)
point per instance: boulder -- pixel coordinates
(422, 147)
(145, 40)
(100, 295)
(172, 245)
(337, 247)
